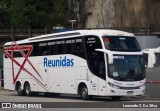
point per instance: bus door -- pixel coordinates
(94, 81)
(96, 64)
(98, 76)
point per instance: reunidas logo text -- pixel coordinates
(61, 62)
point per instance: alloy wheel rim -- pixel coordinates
(84, 92)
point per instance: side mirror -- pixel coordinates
(151, 58)
(110, 55)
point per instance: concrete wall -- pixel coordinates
(148, 41)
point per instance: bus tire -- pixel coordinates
(19, 90)
(27, 89)
(115, 97)
(84, 93)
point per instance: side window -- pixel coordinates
(58, 49)
(79, 49)
(49, 50)
(72, 46)
(16, 54)
(95, 59)
(64, 49)
(42, 50)
(76, 48)
(35, 51)
(145, 59)
(25, 52)
(157, 59)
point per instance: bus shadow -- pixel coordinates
(77, 97)
(94, 98)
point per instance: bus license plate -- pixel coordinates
(129, 92)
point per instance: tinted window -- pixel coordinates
(72, 46)
(145, 56)
(127, 68)
(35, 49)
(121, 43)
(42, 50)
(16, 54)
(67, 46)
(25, 52)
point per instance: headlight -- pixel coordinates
(114, 86)
(126, 88)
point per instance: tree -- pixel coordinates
(38, 13)
(5, 17)
(33, 13)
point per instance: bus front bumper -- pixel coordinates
(127, 92)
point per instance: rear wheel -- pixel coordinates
(27, 90)
(84, 93)
(19, 90)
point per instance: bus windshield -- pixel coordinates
(127, 68)
(121, 43)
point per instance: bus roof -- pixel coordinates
(76, 33)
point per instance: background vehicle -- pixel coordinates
(152, 57)
(152, 74)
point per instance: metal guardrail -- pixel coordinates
(21, 33)
(141, 30)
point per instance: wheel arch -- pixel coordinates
(80, 85)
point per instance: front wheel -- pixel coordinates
(84, 93)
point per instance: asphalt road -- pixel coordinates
(11, 96)
(71, 102)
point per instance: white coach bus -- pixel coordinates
(93, 62)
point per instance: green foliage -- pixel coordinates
(33, 13)
(4, 14)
